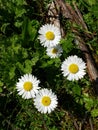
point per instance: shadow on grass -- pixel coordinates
(49, 77)
(68, 103)
(8, 112)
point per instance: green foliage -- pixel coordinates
(21, 53)
(67, 43)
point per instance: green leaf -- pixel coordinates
(12, 72)
(20, 2)
(91, 2)
(18, 23)
(76, 90)
(32, 32)
(19, 12)
(89, 102)
(34, 60)
(67, 44)
(1, 90)
(94, 112)
(4, 26)
(25, 33)
(28, 66)
(95, 10)
(32, 29)
(1, 83)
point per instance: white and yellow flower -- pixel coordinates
(49, 35)
(54, 52)
(28, 86)
(73, 68)
(45, 101)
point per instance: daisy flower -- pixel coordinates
(49, 35)
(54, 51)
(45, 101)
(73, 68)
(27, 86)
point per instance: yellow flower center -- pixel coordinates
(28, 86)
(50, 35)
(46, 101)
(54, 50)
(73, 68)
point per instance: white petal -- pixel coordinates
(25, 78)
(73, 60)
